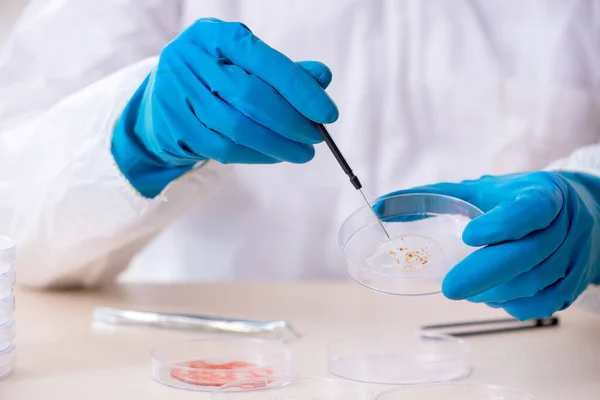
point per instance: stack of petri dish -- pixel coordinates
(7, 306)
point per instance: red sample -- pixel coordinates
(202, 373)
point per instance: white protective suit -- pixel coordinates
(428, 91)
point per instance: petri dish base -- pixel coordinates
(401, 359)
(7, 282)
(294, 388)
(7, 254)
(7, 309)
(7, 362)
(454, 391)
(203, 364)
(426, 242)
(7, 335)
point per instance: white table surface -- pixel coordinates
(62, 356)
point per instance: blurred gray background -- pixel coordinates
(9, 12)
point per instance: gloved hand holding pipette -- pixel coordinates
(541, 238)
(220, 93)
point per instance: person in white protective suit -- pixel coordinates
(167, 137)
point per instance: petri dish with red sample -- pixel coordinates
(205, 364)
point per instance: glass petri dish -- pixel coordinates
(293, 388)
(426, 231)
(8, 359)
(454, 391)
(7, 309)
(7, 254)
(7, 282)
(7, 335)
(400, 359)
(203, 364)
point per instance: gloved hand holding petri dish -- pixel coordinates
(425, 242)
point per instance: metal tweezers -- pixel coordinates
(474, 328)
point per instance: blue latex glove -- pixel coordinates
(220, 93)
(541, 233)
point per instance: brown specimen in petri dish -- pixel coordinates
(411, 257)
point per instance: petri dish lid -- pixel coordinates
(399, 359)
(7, 254)
(426, 231)
(203, 364)
(7, 282)
(7, 309)
(7, 335)
(8, 359)
(293, 388)
(454, 391)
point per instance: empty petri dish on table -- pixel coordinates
(426, 242)
(7, 254)
(7, 335)
(293, 388)
(399, 359)
(7, 309)
(204, 364)
(454, 391)
(7, 362)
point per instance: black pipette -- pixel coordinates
(342, 161)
